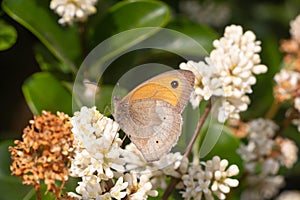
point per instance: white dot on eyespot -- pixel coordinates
(174, 84)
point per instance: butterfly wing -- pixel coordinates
(158, 132)
(151, 114)
(160, 88)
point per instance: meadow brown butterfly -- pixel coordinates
(150, 114)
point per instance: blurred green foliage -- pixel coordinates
(61, 50)
(8, 35)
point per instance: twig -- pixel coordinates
(174, 181)
(83, 42)
(287, 121)
(198, 128)
(38, 193)
(272, 110)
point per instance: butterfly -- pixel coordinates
(151, 114)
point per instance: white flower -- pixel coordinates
(262, 187)
(222, 183)
(139, 189)
(76, 196)
(296, 122)
(228, 72)
(214, 179)
(105, 196)
(270, 166)
(197, 183)
(169, 164)
(287, 82)
(295, 29)
(116, 191)
(89, 187)
(97, 150)
(297, 103)
(261, 147)
(263, 156)
(133, 158)
(207, 82)
(260, 134)
(73, 10)
(236, 58)
(261, 128)
(247, 152)
(289, 195)
(174, 166)
(289, 152)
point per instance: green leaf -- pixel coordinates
(43, 91)
(11, 187)
(45, 196)
(5, 158)
(203, 34)
(192, 40)
(37, 17)
(48, 62)
(8, 35)
(129, 15)
(71, 184)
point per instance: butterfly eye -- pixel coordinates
(174, 84)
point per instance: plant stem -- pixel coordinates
(83, 42)
(170, 188)
(38, 193)
(188, 150)
(198, 128)
(287, 121)
(273, 110)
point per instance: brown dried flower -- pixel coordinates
(292, 50)
(292, 46)
(238, 128)
(288, 79)
(44, 152)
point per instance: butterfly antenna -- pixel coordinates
(114, 139)
(124, 138)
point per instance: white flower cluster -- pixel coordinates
(228, 72)
(288, 150)
(99, 160)
(295, 29)
(287, 88)
(263, 155)
(214, 179)
(287, 82)
(108, 171)
(72, 10)
(139, 189)
(262, 187)
(172, 164)
(260, 143)
(289, 195)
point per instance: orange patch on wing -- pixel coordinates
(154, 91)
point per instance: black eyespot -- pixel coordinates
(174, 84)
(156, 141)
